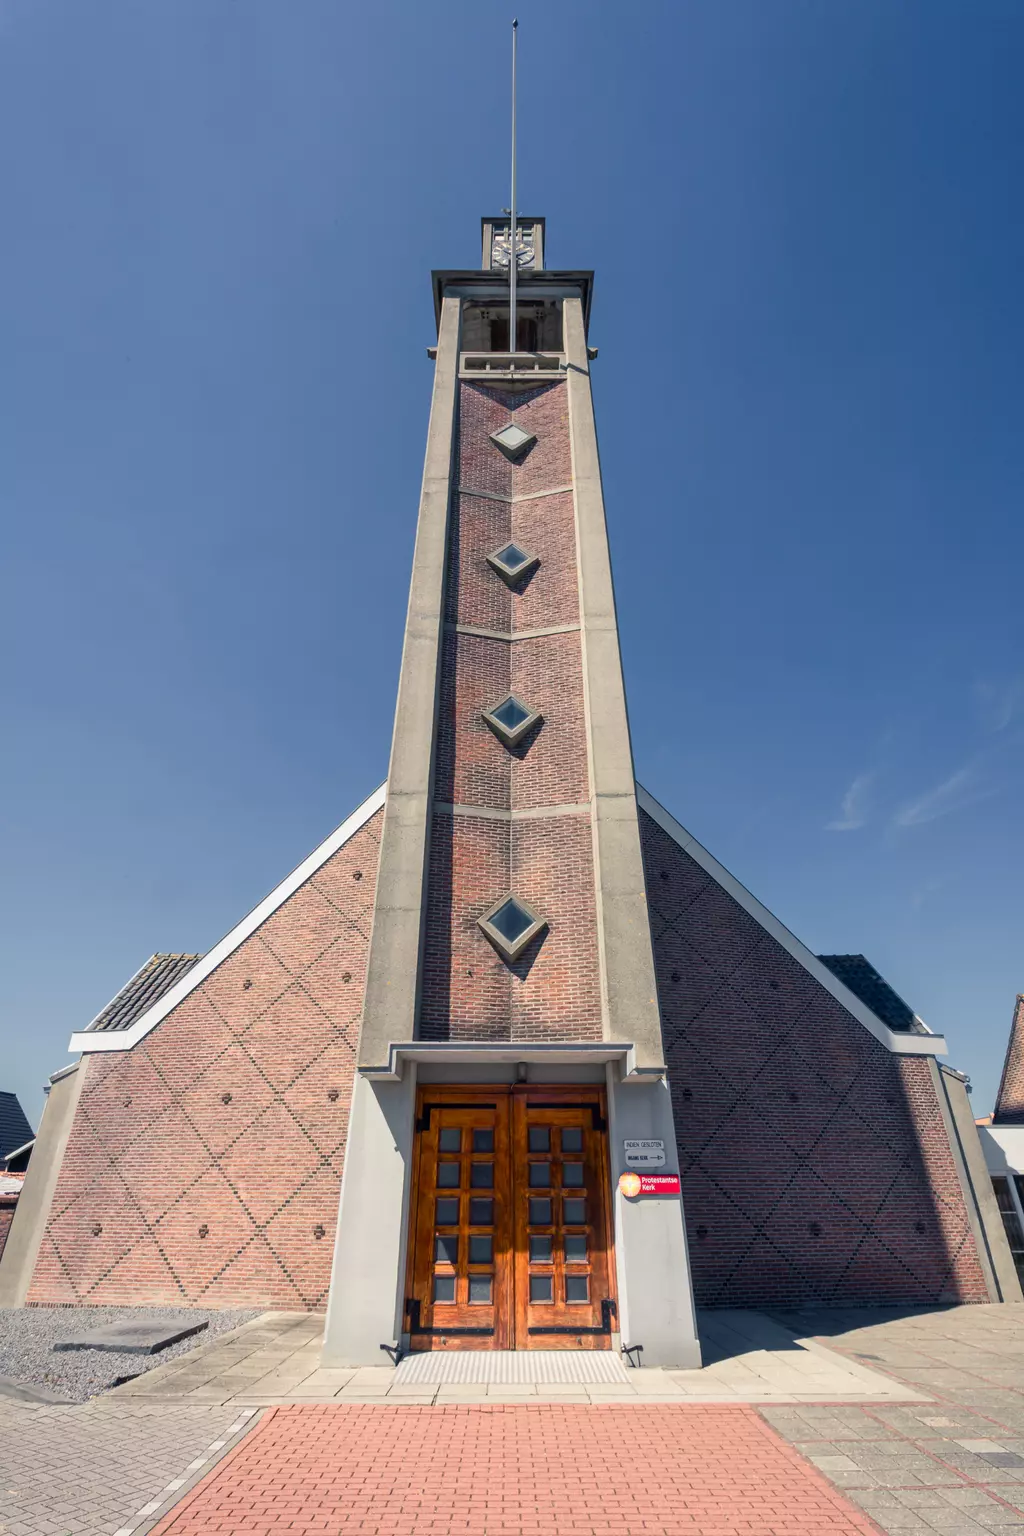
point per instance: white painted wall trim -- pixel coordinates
(1003, 1146)
(123, 1040)
(893, 1040)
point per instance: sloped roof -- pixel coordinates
(14, 1127)
(857, 973)
(146, 987)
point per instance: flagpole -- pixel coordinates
(512, 241)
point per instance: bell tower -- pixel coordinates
(511, 944)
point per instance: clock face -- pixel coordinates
(500, 250)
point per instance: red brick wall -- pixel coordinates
(204, 1165)
(815, 1163)
(7, 1206)
(554, 989)
(1010, 1098)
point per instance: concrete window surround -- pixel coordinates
(511, 730)
(513, 441)
(512, 571)
(510, 947)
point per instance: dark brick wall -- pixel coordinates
(204, 1165)
(1010, 1098)
(815, 1164)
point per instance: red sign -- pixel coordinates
(633, 1184)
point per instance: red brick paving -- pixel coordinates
(510, 1470)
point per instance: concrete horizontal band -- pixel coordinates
(465, 1052)
(493, 813)
(557, 490)
(505, 634)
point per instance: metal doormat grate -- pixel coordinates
(506, 1367)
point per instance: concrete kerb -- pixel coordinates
(154, 1512)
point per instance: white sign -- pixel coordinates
(645, 1154)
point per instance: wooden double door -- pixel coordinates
(509, 1237)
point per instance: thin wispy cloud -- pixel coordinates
(961, 789)
(999, 703)
(853, 808)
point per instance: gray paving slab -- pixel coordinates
(15, 1391)
(90, 1468)
(951, 1465)
(130, 1337)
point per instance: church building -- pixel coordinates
(510, 1061)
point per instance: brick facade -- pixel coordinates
(1009, 1108)
(8, 1204)
(204, 1164)
(553, 990)
(815, 1163)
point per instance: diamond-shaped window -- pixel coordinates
(512, 563)
(512, 440)
(510, 925)
(511, 719)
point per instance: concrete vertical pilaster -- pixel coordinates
(393, 966)
(33, 1209)
(651, 1260)
(976, 1182)
(630, 997)
(368, 1278)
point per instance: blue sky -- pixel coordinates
(220, 218)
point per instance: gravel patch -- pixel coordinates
(28, 1334)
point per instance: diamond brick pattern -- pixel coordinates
(209, 1156)
(170, 1142)
(292, 1031)
(249, 1095)
(268, 1161)
(201, 1034)
(287, 1231)
(318, 1098)
(258, 1271)
(815, 1164)
(211, 1202)
(106, 1205)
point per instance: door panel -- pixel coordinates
(461, 1261)
(560, 1224)
(509, 1238)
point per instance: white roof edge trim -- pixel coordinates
(117, 994)
(123, 1040)
(900, 1044)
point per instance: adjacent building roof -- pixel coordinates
(14, 1127)
(17, 1162)
(857, 973)
(146, 987)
